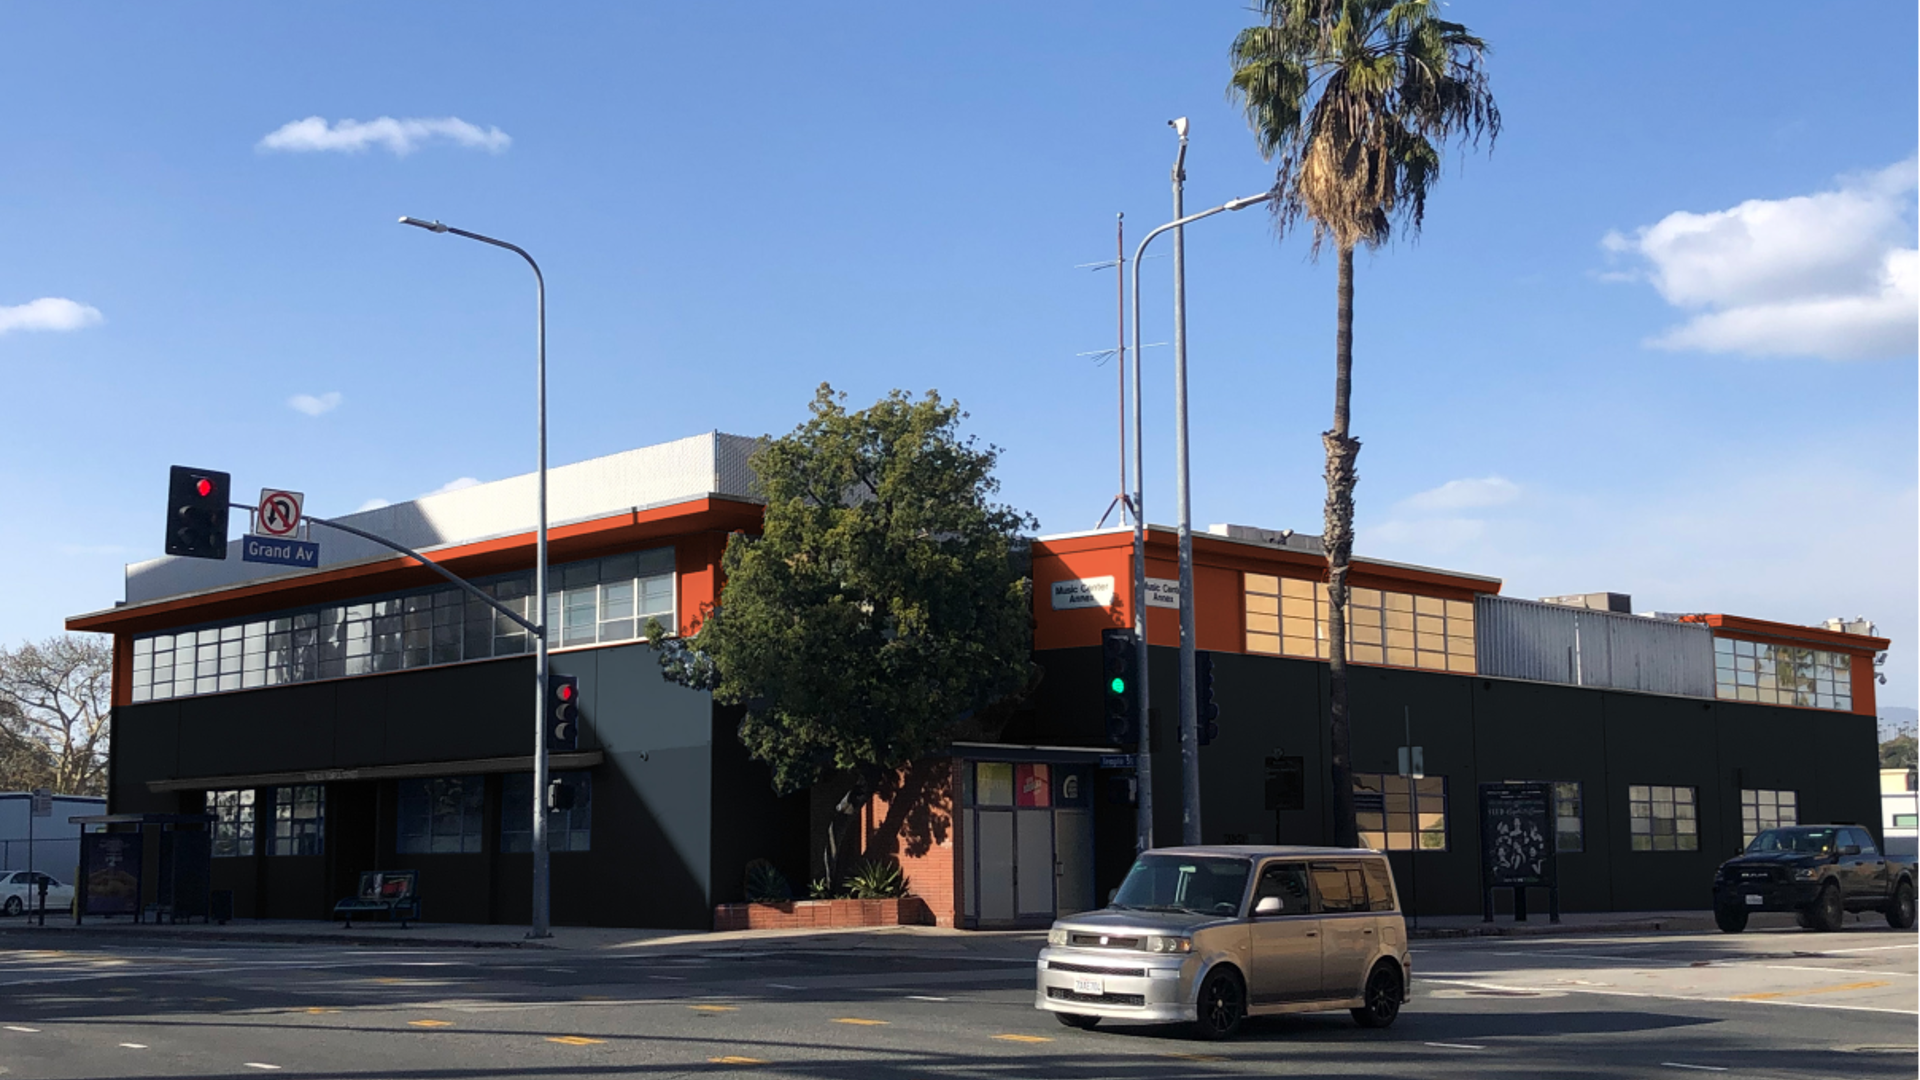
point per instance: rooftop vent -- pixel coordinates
(1281, 538)
(1856, 625)
(1598, 601)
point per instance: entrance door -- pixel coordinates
(1033, 862)
(1073, 861)
(993, 865)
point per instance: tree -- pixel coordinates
(883, 608)
(1898, 752)
(1355, 99)
(55, 707)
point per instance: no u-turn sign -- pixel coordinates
(278, 513)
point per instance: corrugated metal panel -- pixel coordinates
(1521, 639)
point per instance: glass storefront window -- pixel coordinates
(1288, 617)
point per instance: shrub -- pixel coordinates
(765, 884)
(877, 880)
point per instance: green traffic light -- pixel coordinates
(1118, 685)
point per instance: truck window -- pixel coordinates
(1341, 887)
(1864, 839)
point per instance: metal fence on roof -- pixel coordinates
(1523, 639)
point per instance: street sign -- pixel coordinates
(1116, 761)
(261, 549)
(1413, 764)
(42, 802)
(278, 514)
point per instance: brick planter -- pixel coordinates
(822, 914)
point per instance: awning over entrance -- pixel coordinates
(584, 759)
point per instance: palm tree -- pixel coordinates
(1355, 98)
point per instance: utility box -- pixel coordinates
(1596, 601)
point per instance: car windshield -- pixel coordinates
(1802, 841)
(1207, 885)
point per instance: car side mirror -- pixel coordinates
(1849, 849)
(1269, 905)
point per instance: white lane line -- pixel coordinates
(669, 978)
(783, 986)
(1456, 1046)
(1872, 948)
(258, 1065)
(1702, 1068)
(1841, 971)
(1669, 997)
(134, 1046)
(17, 1027)
(923, 997)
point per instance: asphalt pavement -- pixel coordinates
(1770, 1004)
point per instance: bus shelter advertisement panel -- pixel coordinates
(113, 873)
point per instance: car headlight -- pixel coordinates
(1809, 873)
(1056, 937)
(1166, 944)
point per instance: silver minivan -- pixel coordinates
(1212, 935)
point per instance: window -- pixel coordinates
(233, 832)
(1782, 675)
(1663, 818)
(1387, 811)
(299, 820)
(1288, 881)
(1906, 821)
(1342, 887)
(567, 830)
(1569, 825)
(1379, 886)
(1288, 617)
(600, 600)
(442, 815)
(993, 785)
(1761, 810)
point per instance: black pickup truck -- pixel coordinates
(1818, 872)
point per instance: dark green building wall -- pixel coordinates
(1477, 730)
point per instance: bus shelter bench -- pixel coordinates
(390, 892)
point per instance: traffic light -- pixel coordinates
(559, 795)
(1209, 717)
(563, 713)
(1119, 674)
(197, 513)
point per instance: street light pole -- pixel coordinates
(542, 922)
(1189, 703)
(1144, 767)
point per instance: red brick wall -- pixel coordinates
(913, 820)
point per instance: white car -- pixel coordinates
(20, 891)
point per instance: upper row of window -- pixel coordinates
(599, 600)
(1288, 617)
(1782, 675)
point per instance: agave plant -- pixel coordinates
(765, 884)
(877, 880)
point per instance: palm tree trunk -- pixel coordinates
(1341, 452)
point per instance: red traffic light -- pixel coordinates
(204, 486)
(565, 692)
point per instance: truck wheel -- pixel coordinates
(1900, 912)
(1731, 920)
(1827, 913)
(1802, 919)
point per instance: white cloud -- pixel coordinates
(48, 313)
(402, 137)
(314, 406)
(1834, 274)
(460, 484)
(1466, 494)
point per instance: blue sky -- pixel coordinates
(1660, 341)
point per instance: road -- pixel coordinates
(1777, 1004)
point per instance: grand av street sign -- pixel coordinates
(281, 552)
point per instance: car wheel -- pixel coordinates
(1900, 912)
(1731, 920)
(1828, 913)
(1801, 919)
(14, 906)
(1382, 997)
(1077, 1020)
(1222, 1004)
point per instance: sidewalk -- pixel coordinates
(918, 940)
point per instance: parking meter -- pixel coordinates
(41, 882)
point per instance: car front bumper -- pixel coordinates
(1772, 895)
(1121, 985)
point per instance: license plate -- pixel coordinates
(1088, 986)
(1755, 901)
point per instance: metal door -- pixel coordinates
(993, 865)
(1073, 861)
(1033, 867)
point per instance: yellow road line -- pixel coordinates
(1023, 1038)
(732, 1059)
(574, 1040)
(714, 1008)
(1771, 994)
(317, 1010)
(857, 1020)
(429, 1023)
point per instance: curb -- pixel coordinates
(20, 936)
(1638, 926)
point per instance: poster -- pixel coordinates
(1517, 833)
(112, 861)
